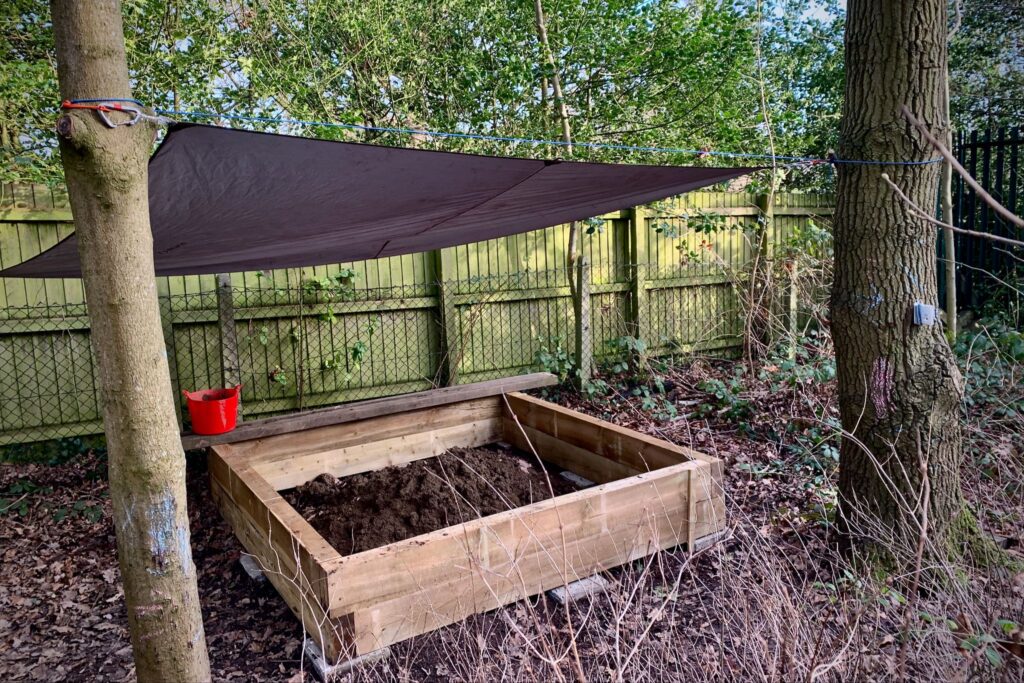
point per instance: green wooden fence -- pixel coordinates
(297, 338)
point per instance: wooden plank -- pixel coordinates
(720, 210)
(584, 346)
(47, 432)
(289, 472)
(262, 404)
(496, 542)
(281, 570)
(724, 342)
(681, 282)
(407, 588)
(26, 215)
(37, 325)
(340, 308)
(296, 544)
(804, 211)
(532, 294)
(288, 446)
(167, 329)
(639, 306)
(448, 318)
(578, 460)
(375, 407)
(622, 445)
(231, 373)
(387, 622)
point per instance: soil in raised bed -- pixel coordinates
(372, 509)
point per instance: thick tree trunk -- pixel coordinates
(899, 386)
(106, 173)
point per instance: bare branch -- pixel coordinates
(921, 213)
(978, 189)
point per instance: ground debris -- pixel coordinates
(773, 600)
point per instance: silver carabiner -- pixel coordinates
(102, 112)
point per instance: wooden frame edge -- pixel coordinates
(361, 410)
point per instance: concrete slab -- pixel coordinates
(252, 568)
(592, 585)
(326, 672)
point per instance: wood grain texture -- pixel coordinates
(362, 602)
(257, 429)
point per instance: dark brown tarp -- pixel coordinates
(224, 200)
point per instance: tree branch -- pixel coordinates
(921, 213)
(978, 189)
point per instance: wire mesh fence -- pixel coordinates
(673, 274)
(327, 342)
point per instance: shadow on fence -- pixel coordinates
(670, 274)
(296, 348)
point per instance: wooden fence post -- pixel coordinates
(759, 319)
(794, 307)
(638, 309)
(230, 372)
(451, 351)
(766, 205)
(584, 338)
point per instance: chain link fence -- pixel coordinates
(328, 342)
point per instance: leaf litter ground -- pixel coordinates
(773, 600)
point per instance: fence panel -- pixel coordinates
(993, 158)
(307, 337)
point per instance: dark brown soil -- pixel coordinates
(373, 509)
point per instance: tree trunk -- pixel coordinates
(572, 251)
(899, 386)
(948, 245)
(106, 173)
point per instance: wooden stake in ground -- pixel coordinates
(899, 386)
(106, 173)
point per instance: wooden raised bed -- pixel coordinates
(650, 495)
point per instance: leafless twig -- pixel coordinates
(978, 189)
(920, 213)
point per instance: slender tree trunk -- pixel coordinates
(556, 81)
(573, 248)
(899, 386)
(106, 173)
(948, 245)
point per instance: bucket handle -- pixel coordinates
(237, 388)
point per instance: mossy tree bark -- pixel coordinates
(106, 173)
(899, 386)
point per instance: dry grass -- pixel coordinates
(773, 601)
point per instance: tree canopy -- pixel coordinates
(742, 76)
(987, 63)
(657, 73)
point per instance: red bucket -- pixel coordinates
(213, 411)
